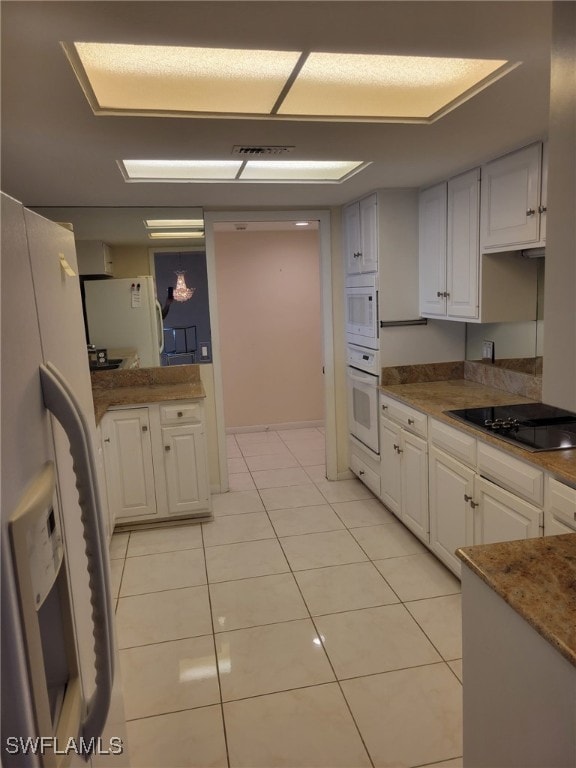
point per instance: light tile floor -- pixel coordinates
(303, 627)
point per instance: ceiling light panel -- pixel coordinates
(298, 170)
(170, 223)
(374, 86)
(180, 170)
(173, 79)
(175, 235)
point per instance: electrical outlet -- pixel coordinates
(204, 350)
(488, 351)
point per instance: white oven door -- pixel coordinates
(363, 407)
(362, 316)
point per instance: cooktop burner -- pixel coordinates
(533, 426)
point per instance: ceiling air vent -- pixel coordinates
(259, 150)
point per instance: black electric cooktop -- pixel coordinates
(533, 426)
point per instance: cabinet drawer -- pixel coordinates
(176, 414)
(561, 503)
(511, 473)
(454, 442)
(409, 418)
(370, 478)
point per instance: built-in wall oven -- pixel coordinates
(361, 308)
(363, 379)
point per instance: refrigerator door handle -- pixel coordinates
(61, 402)
(160, 326)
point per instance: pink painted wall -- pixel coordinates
(269, 311)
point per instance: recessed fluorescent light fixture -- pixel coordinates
(168, 223)
(289, 85)
(270, 171)
(175, 235)
(180, 170)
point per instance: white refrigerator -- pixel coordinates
(125, 313)
(61, 692)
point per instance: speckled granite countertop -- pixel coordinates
(136, 386)
(434, 397)
(537, 578)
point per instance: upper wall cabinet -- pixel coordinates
(514, 200)
(94, 258)
(360, 224)
(449, 248)
(456, 282)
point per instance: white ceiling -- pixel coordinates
(56, 152)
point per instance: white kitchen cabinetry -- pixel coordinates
(456, 283)
(451, 516)
(449, 248)
(366, 465)
(94, 258)
(360, 230)
(559, 508)
(501, 516)
(514, 200)
(466, 508)
(432, 223)
(155, 461)
(128, 464)
(404, 465)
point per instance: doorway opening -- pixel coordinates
(270, 308)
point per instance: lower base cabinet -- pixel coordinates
(404, 476)
(451, 515)
(467, 509)
(155, 470)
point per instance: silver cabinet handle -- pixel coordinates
(530, 212)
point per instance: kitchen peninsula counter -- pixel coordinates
(537, 578)
(136, 386)
(435, 397)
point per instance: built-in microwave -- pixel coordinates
(361, 310)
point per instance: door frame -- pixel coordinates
(324, 223)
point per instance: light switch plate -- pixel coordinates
(488, 351)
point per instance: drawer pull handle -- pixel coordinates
(398, 449)
(410, 421)
(180, 414)
(473, 504)
(144, 428)
(361, 472)
(166, 447)
(530, 212)
(384, 407)
(542, 209)
(107, 440)
(467, 498)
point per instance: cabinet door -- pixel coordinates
(432, 250)
(414, 480)
(390, 481)
(502, 516)
(510, 199)
(451, 516)
(352, 239)
(185, 468)
(369, 233)
(128, 464)
(463, 245)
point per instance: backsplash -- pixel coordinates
(506, 378)
(516, 382)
